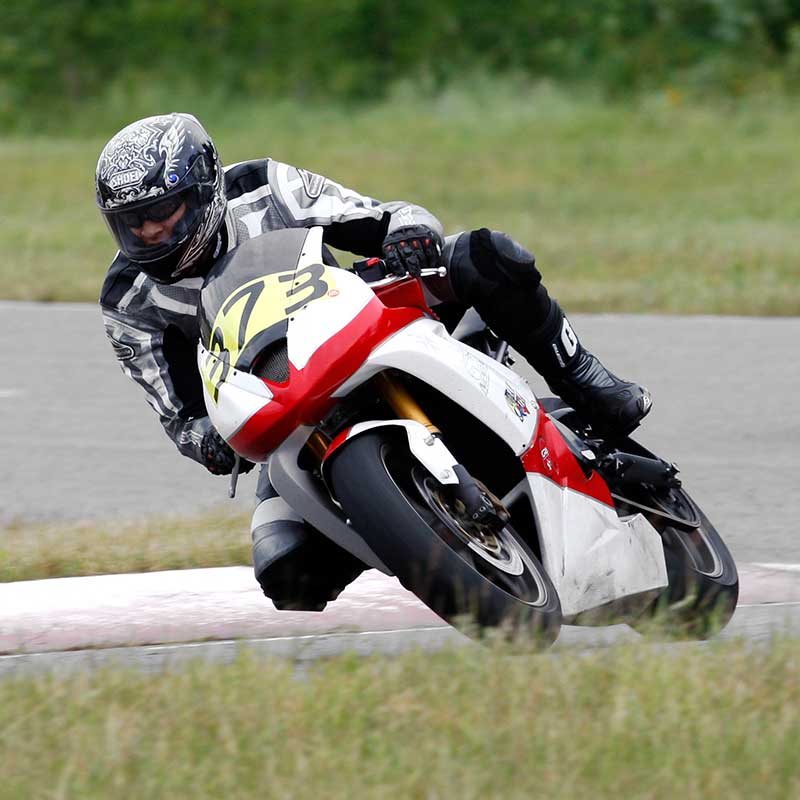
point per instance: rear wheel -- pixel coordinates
(471, 575)
(703, 588)
(703, 581)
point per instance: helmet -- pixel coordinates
(164, 171)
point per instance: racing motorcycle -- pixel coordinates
(423, 454)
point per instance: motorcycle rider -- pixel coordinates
(173, 210)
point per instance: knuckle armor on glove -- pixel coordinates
(218, 456)
(411, 249)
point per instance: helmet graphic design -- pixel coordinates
(165, 170)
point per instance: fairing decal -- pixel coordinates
(308, 394)
(344, 301)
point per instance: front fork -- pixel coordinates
(399, 400)
(479, 503)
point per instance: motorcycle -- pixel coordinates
(424, 455)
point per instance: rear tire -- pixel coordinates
(703, 581)
(703, 588)
(472, 578)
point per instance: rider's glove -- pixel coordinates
(218, 457)
(411, 249)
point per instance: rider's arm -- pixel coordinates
(352, 221)
(167, 372)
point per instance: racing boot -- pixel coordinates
(612, 405)
(490, 271)
(297, 567)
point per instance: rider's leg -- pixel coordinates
(496, 275)
(297, 567)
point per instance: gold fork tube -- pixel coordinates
(318, 443)
(401, 401)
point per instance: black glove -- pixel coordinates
(218, 457)
(411, 249)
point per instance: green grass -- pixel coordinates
(30, 551)
(653, 205)
(636, 722)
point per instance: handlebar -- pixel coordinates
(376, 273)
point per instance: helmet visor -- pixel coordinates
(153, 229)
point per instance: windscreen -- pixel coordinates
(249, 296)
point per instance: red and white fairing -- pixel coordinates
(340, 340)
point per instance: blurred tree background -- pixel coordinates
(60, 59)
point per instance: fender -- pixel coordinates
(429, 450)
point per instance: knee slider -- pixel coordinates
(498, 257)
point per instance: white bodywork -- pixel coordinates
(240, 397)
(346, 300)
(593, 557)
(473, 380)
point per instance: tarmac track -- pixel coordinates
(80, 442)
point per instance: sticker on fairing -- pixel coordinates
(516, 402)
(252, 308)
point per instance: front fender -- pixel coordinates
(429, 450)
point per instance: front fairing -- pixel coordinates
(274, 294)
(249, 296)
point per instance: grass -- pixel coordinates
(655, 205)
(30, 551)
(636, 722)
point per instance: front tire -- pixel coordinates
(471, 577)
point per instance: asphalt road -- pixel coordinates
(79, 441)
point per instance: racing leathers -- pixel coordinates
(154, 330)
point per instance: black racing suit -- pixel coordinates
(154, 330)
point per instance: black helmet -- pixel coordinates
(151, 170)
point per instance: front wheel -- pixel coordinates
(470, 575)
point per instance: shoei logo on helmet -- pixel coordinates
(133, 153)
(126, 178)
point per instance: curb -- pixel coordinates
(225, 604)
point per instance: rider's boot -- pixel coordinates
(297, 567)
(490, 271)
(578, 377)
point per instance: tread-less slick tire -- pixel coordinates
(473, 578)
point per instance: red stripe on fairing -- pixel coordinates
(306, 397)
(407, 293)
(549, 455)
